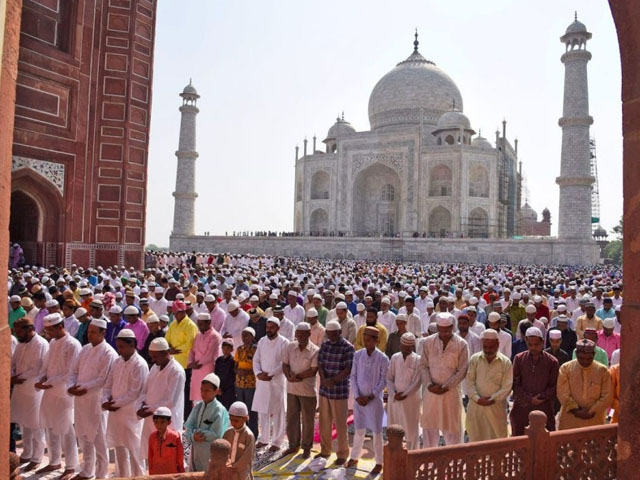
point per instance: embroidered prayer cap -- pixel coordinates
(227, 341)
(444, 319)
(533, 332)
(408, 339)
(372, 331)
(586, 346)
(233, 306)
(530, 309)
(341, 306)
(179, 306)
(303, 327)
(489, 334)
(52, 319)
(126, 333)
(96, 303)
(80, 312)
(249, 330)
(204, 316)
(312, 312)
(238, 409)
(333, 326)
(609, 323)
(361, 307)
(555, 334)
(131, 310)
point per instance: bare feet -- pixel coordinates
(273, 448)
(376, 470)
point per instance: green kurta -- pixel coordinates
(492, 380)
(212, 419)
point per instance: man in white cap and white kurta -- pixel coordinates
(89, 374)
(56, 408)
(235, 321)
(26, 364)
(293, 311)
(403, 386)
(124, 385)
(386, 317)
(489, 380)
(158, 304)
(164, 388)
(443, 365)
(270, 387)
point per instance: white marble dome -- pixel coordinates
(414, 84)
(340, 128)
(453, 119)
(480, 141)
(576, 27)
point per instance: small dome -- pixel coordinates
(453, 119)
(576, 27)
(341, 128)
(480, 141)
(600, 232)
(189, 91)
(528, 213)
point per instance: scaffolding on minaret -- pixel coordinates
(595, 193)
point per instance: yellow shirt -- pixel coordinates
(583, 323)
(583, 387)
(382, 337)
(180, 336)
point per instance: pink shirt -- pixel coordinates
(217, 318)
(205, 350)
(610, 343)
(141, 331)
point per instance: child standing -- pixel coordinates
(226, 369)
(242, 443)
(166, 454)
(207, 422)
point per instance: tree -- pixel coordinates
(155, 248)
(613, 250)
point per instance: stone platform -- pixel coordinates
(519, 251)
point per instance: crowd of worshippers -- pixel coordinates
(253, 350)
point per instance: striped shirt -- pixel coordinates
(332, 359)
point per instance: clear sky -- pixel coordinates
(272, 72)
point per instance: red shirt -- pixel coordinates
(165, 454)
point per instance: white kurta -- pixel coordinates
(234, 326)
(56, 410)
(403, 377)
(287, 329)
(447, 368)
(124, 385)
(27, 362)
(388, 321)
(269, 396)
(164, 388)
(90, 371)
(295, 314)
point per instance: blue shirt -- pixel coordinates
(602, 313)
(112, 332)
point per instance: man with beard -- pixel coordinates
(88, 376)
(26, 364)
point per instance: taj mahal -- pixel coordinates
(419, 170)
(421, 184)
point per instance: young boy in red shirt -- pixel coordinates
(166, 454)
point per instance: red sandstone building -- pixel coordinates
(83, 105)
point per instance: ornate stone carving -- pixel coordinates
(54, 172)
(394, 160)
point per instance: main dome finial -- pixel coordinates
(416, 42)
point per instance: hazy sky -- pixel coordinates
(272, 72)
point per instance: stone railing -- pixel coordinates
(564, 455)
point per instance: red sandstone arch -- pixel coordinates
(33, 189)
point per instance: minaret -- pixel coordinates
(574, 220)
(185, 194)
